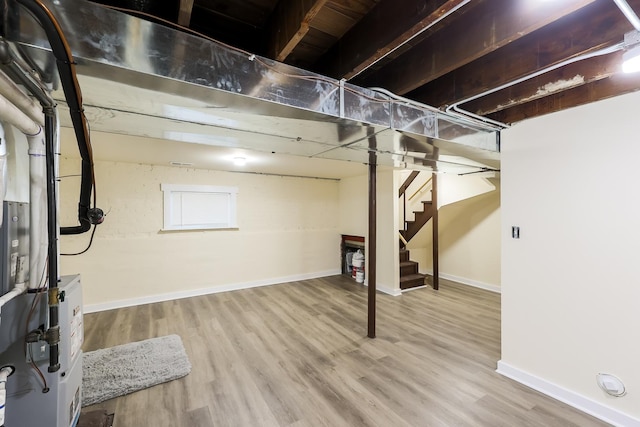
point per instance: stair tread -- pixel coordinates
(412, 281)
(406, 263)
(410, 277)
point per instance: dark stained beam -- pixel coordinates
(289, 25)
(570, 76)
(591, 28)
(184, 15)
(492, 25)
(388, 25)
(601, 89)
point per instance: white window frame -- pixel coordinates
(229, 206)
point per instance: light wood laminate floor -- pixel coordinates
(296, 354)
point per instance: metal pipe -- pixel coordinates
(56, 171)
(3, 170)
(12, 115)
(38, 209)
(628, 13)
(53, 333)
(482, 122)
(422, 30)
(16, 69)
(13, 93)
(371, 250)
(455, 107)
(434, 232)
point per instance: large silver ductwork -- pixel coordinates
(144, 79)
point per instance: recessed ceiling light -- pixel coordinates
(239, 161)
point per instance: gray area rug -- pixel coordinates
(120, 370)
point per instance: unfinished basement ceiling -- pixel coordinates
(438, 52)
(142, 75)
(143, 79)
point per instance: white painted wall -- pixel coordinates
(453, 188)
(288, 229)
(570, 293)
(388, 260)
(469, 233)
(354, 202)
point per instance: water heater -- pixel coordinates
(29, 402)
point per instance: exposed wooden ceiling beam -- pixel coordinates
(592, 92)
(290, 23)
(389, 24)
(573, 75)
(491, 26)
(589, 29)
(184, 15)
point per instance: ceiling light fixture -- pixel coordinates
(631, 60)
(239, 161)
(631, 56)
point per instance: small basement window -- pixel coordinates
(199, 207)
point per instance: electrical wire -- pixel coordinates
(95, 226)
(45, 387)
(34, 304)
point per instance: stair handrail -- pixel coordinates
(402, 239)
(421, 187)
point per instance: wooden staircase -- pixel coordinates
(409, 276)
(420, 219)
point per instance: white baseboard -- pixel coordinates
(92, 308)
(385, 289)
(582, 403)
(414, 289)
(468, 282)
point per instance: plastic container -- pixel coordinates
(358, 259)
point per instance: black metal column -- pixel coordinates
(371, 250)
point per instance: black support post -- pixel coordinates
(371, 250)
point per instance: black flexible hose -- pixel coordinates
(66, 69)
